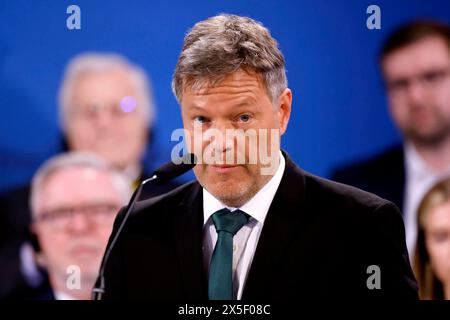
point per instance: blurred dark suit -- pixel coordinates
(318, 240)
(383, 175)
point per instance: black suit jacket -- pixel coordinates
(383, 175)
(318, 240)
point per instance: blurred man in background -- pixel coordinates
(415, 62)
(74, 201)
(105, 107)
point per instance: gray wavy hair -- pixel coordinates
(221, 45)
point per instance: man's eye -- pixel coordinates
(398, 84)
(200, 119)
(432, 76)
(245, 118)
(440, 236)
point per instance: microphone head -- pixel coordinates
(175, 168)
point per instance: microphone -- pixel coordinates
(172, 170)
(161, 175)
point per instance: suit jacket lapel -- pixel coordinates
(282, 223)
(401, 182)
(189, 242)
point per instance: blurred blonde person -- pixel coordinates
(432, 254)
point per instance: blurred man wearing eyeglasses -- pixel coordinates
(105, 107)
(415, 62)
(74, 201)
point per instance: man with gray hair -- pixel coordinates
(74, 200)
(239, 232)
(105, 107)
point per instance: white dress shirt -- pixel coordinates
(246, 239)
(419, 179)
(61, 295)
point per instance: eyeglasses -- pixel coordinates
(61, 218)
(429, 80)
(93, 111)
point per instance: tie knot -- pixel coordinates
(231, 222)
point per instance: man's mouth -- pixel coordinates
(83, 251)
(223, 168)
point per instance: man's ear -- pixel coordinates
(284, 109)
(34, 239)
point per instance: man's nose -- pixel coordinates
(220, 125)
(222, 136)
(416, 93)
(79, 223)
(104, 118)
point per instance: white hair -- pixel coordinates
(92, 62)
(76, 159)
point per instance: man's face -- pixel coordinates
(240, 101)
(74, 219)
(99, 123)
(418, 83)
(437, 230)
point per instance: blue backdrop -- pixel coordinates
(339, 108)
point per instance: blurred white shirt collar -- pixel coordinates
(60, 295)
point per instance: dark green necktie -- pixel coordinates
(227, 224)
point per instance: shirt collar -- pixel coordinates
(257, 207)
(415, 165)
(61, 295)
